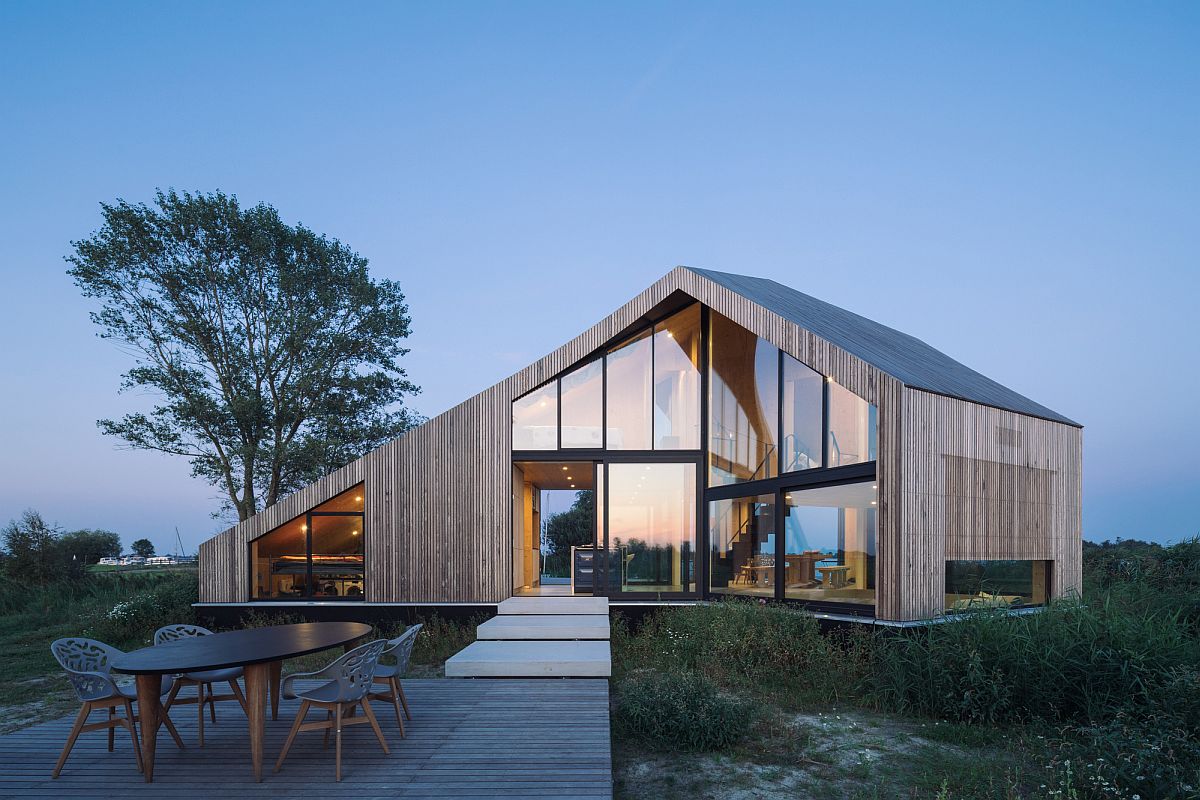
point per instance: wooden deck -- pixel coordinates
(467, 738)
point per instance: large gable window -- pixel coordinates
(743, 404)
(535, 420)
(628, 394)
(318, 555)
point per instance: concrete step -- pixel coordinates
(554, 605)
(560, 627)
(491, 659)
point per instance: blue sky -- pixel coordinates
(1016, 184)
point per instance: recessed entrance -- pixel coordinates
(553, 514)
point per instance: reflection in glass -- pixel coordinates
(535, 419)
(853, 427)
(993, 584)
(583, 406)
(337, 556)
(802, 423)
(829, 543)
(280, 559)
(652, 527)
(629, 395)
(741, 533)
(744, 404)
(677, 381)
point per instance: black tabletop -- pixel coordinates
(239, 648)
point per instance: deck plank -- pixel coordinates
(468, 738)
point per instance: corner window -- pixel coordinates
(803, 401)
(829, 543)
(318, 555)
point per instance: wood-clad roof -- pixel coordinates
(904, 357)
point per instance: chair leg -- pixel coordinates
(171, 697)
(237, 692)
(370, 715)
(403, 699)
(200, 710)
(338, 758)
(287, 745)
(78, 726)
(328, 728)
(129, 723)
(396, 705)
(112, 727)
(212, 703)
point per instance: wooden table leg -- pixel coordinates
(276, 671)
(149, 712)
(257, 678)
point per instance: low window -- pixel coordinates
(996, 584)
(318, 555)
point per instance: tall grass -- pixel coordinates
(1070, 663)
(773, 651)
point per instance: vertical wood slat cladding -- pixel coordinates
(982, 483)
(439, 514)
(439, 498)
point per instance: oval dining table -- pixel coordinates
(259, 651)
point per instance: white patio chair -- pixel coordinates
(203, 681)
(86, 662)
(345, 685)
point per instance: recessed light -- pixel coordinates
(564, 469)
(570, 478)
(359, 498)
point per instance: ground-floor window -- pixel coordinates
(989, 584)
(651, 527)
(741, 540)
(318, 555)
(829, 543)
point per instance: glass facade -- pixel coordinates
(677, 381)
(803, 400)
(743, 404)
(583, 406)
(772, 423)
(996, 584)
(741, 536)
(651, 527)
(535, 420)
(628, 396)
(853, 428)
(829, 543)
(316, 555)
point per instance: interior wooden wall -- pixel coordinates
(981, 483)
(438, 500)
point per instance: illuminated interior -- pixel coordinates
(315, 556)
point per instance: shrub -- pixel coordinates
(1069, 663)
(681, 711)
(131, 622)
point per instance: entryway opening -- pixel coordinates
(554, 527)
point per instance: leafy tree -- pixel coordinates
(89, 546)
(561, 531)
(33, 552)
(274, 353)
(143, 548)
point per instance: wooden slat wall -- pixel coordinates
(439, 514)
(981, 483)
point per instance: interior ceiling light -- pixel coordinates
(359, 498)
(564, 469)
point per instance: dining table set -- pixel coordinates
(187, 655)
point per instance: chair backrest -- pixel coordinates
(355, 671)
(86, 662)
(401, 648)
(170, 633)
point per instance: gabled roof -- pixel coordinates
(904, 357)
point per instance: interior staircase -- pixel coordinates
(539, 637)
